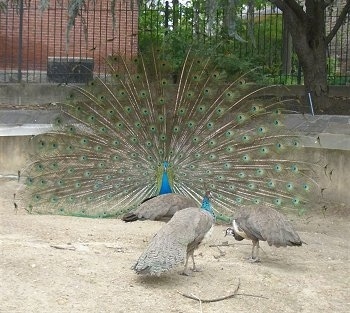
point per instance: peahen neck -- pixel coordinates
(206, 205)
(165, 184)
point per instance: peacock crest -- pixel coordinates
(142, 134)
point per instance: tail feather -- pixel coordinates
(105, 153)
(169, 247)
(162, 255)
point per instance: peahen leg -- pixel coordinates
(255, 252)
(185, 272)
(194, 268)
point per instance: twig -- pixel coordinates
(231, 295)
(63, 247)
(222, 253)
(251, 295)
(211, 300)
(224, 244)
(199, 301)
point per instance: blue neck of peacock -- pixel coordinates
(165, 185)
(206, 205)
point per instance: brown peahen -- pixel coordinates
(149, 132)
(265, 224)
(177, 240)
(160, 208)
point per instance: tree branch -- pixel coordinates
(328, 3)
(284, 4)
(339, 22)
(295, 6)
(290, 6)
(280, 4)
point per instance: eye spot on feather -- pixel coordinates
(278, 201)
(271, 184)
(306, 187)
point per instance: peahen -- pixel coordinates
(176, 241)
(150, 131)
(161, 208)
(265, 224)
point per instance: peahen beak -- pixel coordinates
(229, 231)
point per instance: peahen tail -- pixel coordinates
(141, 135)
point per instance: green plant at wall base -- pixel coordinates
(331, 66)
(339, 80)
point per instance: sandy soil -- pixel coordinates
(69, 264)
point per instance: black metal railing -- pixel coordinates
(241, 38)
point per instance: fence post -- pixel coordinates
(20, 41)
(287, 49)
(166, 17)
(175, 13)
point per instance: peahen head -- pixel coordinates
(206, 205)
(235, 232)
(164, 180)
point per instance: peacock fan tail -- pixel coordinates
(141, 135)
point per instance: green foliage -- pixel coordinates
(254, 43)
(241, 44)
(338, 80)
(334, 76)
(3, 6)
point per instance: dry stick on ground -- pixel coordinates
(63, 247)
(222, 253)
(225, 244)
(231, 295)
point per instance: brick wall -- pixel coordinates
(44, 34)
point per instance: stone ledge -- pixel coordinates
(321, 131)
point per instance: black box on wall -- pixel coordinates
(69, 70)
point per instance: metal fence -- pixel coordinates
(36, 47)
(251, 37)
(41, 46)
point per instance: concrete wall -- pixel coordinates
(15, 151)
(336, 183)
(17, 95)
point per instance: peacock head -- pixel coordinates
(165, 166)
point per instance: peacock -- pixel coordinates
(265, 224)
(149, 130)
(177, 240)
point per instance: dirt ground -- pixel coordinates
(69, 264)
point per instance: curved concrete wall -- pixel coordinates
(334, 152)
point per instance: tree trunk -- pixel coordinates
(315, 76)
(308, 35)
